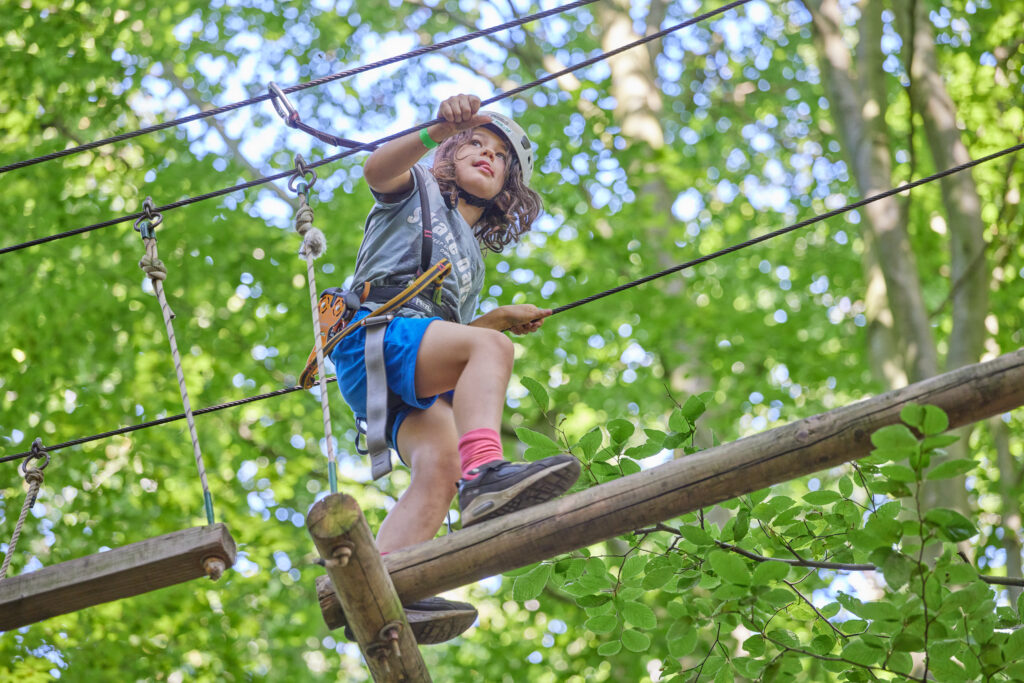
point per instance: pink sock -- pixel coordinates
(478, 447)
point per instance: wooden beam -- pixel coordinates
(363, 589)
(968, 394)
(119, 573)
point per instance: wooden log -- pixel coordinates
(968, 394)
(362, 587)
(119, 573)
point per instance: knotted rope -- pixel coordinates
(157, 273)
(314, 244)
(34, 479)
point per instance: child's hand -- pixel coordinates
(524, 318)
(460, 113)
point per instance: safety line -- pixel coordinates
(371, 145)
(302, 86)
(796, 226)
(161, 421)
(561, 309)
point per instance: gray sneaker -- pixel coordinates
(434, 620)
(502, 487)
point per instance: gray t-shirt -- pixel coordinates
(390, 252)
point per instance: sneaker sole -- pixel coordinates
(430, 628)
(541, 487)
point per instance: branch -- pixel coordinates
(840, 566)
(230, 142)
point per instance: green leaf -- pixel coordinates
(931, 443)
(610, 648)
(729, 567)
(639, 615)
(912, 414)
(893, 438)
(693, 408)
(951, 468)
(628, 466)
(861, 653)
(682, 638)
(537, 391)
(633, 566)
(602, 624)
(695, 535)
(754, 645)
(766, 573)
(934, 422)
(951, 524)
(899, 473)
(845, 487)
(742, 525)
(656, 578)
(635, 641)
(620, 430)
(530, 585)
(590, 442)
(821, 497)
(537, 440)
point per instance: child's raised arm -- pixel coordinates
(387, 169)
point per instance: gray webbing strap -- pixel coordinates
(377, 396)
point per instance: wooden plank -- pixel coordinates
(119, 573)
(363, 588)
(968, 394)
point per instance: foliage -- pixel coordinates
(755, 339)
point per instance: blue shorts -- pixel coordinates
(401, 345)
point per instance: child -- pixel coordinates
(478, 196)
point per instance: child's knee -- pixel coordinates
(497, 347)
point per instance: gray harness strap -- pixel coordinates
(376, 372)
(377, 396)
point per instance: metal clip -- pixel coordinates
(301, 171)
(38, 453)
(284, 108)
(147, 222)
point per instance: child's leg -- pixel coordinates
(476, 362)
(428, 443)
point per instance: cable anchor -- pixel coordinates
(146, 224)
(301, 173)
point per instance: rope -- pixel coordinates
(371, 145)
(295, 88)
(314, 244)
(34, 479)
(157, 272)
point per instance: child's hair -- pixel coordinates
(513, 210)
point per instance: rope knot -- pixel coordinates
(34, 477)
(303, 217)
(153, 267)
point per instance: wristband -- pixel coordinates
(428, 142)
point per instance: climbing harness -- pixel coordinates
(337, 307)
(34, 478)
(314, 244)
(157, 272)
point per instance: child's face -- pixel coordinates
(481, 164)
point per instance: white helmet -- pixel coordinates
(517, 139)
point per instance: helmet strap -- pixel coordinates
(473, 200)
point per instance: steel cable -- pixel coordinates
(371, 145)
(295, 88)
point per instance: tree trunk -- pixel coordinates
(859, 105)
